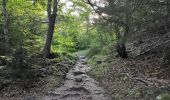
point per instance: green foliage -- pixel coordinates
(93, 51)
(70, 32)
(165, 96)
(102, 40)
(74, 29)
(81, 52)
(27, 31)
(98, 68)
(24, 24)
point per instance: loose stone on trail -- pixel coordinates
(78, 85)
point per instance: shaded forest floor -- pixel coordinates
(78, 85)
(139, 77)
(130, 79)
(36, 80)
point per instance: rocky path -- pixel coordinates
(78, 86)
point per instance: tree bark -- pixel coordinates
(5, 26)
(121, 47)
(167, 17)
(51, 25)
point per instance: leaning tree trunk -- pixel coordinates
(5, 26)
(51, 17)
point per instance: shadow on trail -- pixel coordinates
(78, 85)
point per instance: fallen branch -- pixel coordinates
(147, 83)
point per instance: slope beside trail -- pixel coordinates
(78, 86)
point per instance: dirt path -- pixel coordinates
(78, 86)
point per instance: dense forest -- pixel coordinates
(56, 49)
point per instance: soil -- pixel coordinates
(56, 81)
(79, 86)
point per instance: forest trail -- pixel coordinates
(78, 85)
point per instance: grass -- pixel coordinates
(81, 52)
(97, 65)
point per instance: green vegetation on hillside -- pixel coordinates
(127, 43)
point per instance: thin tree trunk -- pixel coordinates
(5, 26)
(168, 14)
(51, 25)
(121, 47)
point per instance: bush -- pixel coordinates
(93, 51)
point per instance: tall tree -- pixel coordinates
(117, 15)
(121, 48)
(52, 14)
(5, 26)
(168, 14)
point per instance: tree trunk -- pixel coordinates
(120, 46)
(121, 50)
(5, 26)
(51, 25)
(168, 9)
(167, 20)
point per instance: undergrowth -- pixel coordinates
(34, 77)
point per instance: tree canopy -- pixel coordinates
(126, 38)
